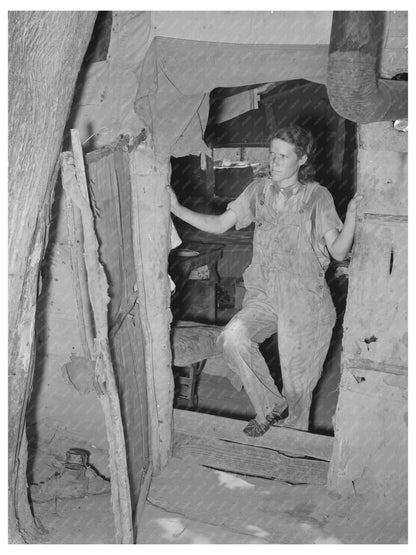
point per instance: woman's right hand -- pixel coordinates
(174, 204)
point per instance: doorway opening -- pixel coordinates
(208, 269)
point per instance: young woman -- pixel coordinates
(297, 228)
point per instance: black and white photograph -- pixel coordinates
(208, 275)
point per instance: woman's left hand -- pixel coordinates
(353, 204)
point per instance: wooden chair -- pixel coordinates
(192, 344)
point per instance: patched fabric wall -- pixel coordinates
(178, 75)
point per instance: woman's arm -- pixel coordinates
(204, 222)
(339, 243)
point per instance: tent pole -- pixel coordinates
(41, 85)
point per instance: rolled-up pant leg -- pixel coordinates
(302, 355)
(239, 345)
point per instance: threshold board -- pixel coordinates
(282, 453)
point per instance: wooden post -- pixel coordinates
(21, 367)
(370, 447)
(45, 54)
(151, 229)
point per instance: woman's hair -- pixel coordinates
(304, 144)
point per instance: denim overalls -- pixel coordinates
(287, 293)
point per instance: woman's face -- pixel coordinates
(284, 163)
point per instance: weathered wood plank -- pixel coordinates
(382, 136)
(284, 440)
(141, 502)
(370, 451)
(105, 197)
(79, 275)
(375, 324)
(371, 447)
(249, 459)
(382, 180)
(110, 189)
(109, 183)
(97, 290)
(149, 176)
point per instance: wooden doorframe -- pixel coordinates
(150, 175)
(172, 432)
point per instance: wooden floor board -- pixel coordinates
(284, 454)
(285, 440)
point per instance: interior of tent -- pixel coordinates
(154, 106)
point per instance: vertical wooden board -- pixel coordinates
(128, 360)
(375, 326)
(109, 174)
(74, 183)
(105, 200)
(382, 136)
(122, 171)
(382, 179)
(370, 454)
(394, 54)
(151, 233)
(109, 181)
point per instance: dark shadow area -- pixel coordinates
(325, 395)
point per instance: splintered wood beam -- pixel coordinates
(79, 278)
(250, 460)
(282, 454)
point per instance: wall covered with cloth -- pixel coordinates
(105, 103)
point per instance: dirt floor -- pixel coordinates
(190, 504)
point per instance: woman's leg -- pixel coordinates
(302, 355)
(239, 345)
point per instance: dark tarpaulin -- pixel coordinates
(177, 76)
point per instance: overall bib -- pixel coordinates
(287, 293)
